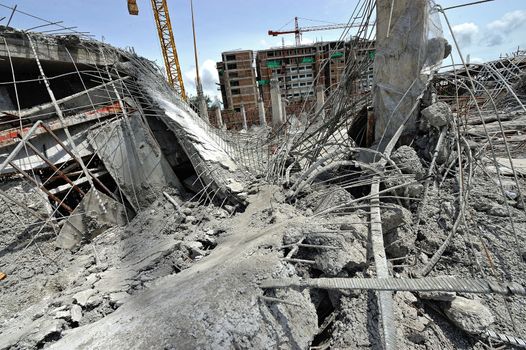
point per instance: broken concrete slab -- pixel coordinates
(95, 213)
(134, 159)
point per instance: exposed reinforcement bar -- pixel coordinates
(428, 284)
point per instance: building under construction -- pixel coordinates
(383, 215)
(305, 74)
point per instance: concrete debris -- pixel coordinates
(95, 214)
(406, 158)
(81, 298)
(437, 115)
(469, 315)
(134, 159)
(76, 313)
(119, 205)
(337, 196)
(437, 296)
(350, 253)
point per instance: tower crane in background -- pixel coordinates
(297, 31)
(166, 38)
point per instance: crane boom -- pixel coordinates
(299, 30)
(166, 38)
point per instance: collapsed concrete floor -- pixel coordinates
(127, 221)
(194, 277)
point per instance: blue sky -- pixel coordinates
(484, 31)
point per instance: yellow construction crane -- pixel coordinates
(166, 38)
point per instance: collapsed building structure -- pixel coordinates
(395, 221)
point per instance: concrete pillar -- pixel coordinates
(398, 63)
(275, 99)
(244, 116)
(284, 106)
(320, 100)
(202, 105)
(219, 118)
(261, 112)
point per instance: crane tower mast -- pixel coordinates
(166, 38)
(167, 41)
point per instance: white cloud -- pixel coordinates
(465, 32)
(494, 39)
(509, 22)
(209, 77)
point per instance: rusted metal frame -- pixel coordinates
(95, 179)
(62, 120)
(39, 108)
(57, 170)
(42, 188)
(20, 145)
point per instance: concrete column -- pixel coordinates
(320, 100)
(201, 101)
(219, 118)
(284, 106)
(203, 109)
(397, 66)
(261, 112)
(244, 116)
(277, 108)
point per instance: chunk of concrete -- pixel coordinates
(82, 297)
(469, 315)
(46, 330)
(76, 313)
(399, 242)
(64, 315)
(394, 217)
(337, 196)
(190, 219)
(349, 254)
(235, 186)
(438, 296)
(89, 219)
(406, 158)
(438, 114)
(398, 237)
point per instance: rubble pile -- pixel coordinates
(127, 221)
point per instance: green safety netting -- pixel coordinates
(274, 64)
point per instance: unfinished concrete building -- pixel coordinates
(306, 74)
(127, 221)
(237, 80)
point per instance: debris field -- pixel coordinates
(393, 219)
